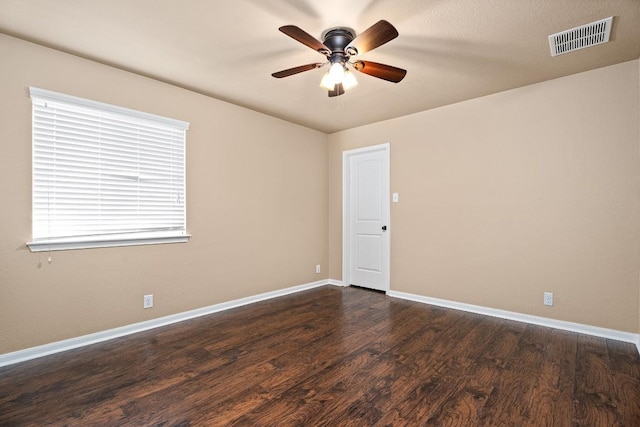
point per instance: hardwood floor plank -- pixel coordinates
(432, 381)
(595, 399)
(514, 386)
(550, 401)
(332, 356)
(256, 348)
(625, 368)
(362, 347)
(466, 401)
(293, 369)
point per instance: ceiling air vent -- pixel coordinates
(580, 37)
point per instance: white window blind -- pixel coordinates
(105, 175)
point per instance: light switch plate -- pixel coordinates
(548, 299)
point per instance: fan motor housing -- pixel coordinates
(338, 38)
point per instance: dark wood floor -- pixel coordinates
(332, 357)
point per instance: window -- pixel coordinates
(105, 175)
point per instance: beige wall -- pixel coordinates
(510, 195)
(256, 206)
(501, 198)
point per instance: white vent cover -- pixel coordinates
(580, 37)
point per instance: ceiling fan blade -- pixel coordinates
(305, 38)
(337, 90)
(376, 35)
(295, 70)
(381, 71)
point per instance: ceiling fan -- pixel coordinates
(341, 46)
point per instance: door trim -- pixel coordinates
(346, 249)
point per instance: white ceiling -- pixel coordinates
(454, 50)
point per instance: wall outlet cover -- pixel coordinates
(148, 301)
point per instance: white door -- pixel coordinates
(367, 213)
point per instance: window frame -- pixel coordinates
(128, 238)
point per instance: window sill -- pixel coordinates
(85, 243)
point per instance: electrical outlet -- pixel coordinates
(318, 269)
(548, 298)
(148, 301)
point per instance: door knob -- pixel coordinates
(384, 228)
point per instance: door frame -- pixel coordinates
(346, 226)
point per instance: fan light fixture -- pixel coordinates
(341, 47)
(327, 82)
(349, 80)
(338, 74)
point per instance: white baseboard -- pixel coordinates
(526, 318)
(71, 343)
(335, 282)
(81, 341)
